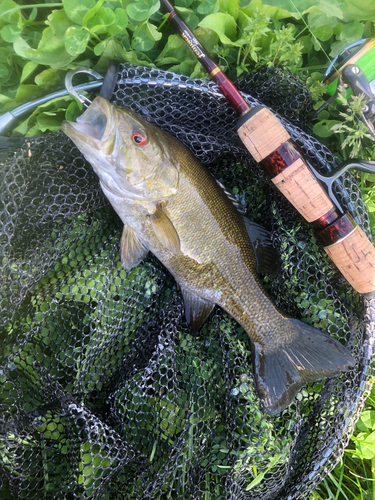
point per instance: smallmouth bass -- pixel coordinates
(172, 206)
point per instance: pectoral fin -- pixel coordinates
(266, 256)
(132, 250)
(196, 309)
(164, 230)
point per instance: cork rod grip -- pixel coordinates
(304, 192)
(355, 258)
(262, 134)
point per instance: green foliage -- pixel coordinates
(355, 128)
(354, 477)
(241, 35)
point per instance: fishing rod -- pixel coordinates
(272, 147)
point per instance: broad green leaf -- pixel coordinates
(22, 127)
(331, 8)
(223, 25)
(120, 24)
(323, 33)
(366, 420)
(30, 126)
(5, 54)
(15, 62)
(154, 6)
(366, 446)
(273, 11)
(91, 13)
(337, 48)
(77, 9)
(297, 8)
(183, 3)
(152, 32)
(11, 32)
(208, 7)
(370, 205)
(323, 128)
(185, 68)
(13, 17)
(138, 11)
(4, 99)
(51, 49)
(73, 111)
(323, 115)
(28, 69)
(175, 49)
(199, 72)
(230, 6)
(306, 44)
(208, 40)
(317, 19)
(50, 121)
(4, 71)
(189, 17)
(337, 29)
(102, 20)
(367, 177)
(25, 93)
(146, 37)
(100, 47)
(114, 50)
(50, 79)
(359, 10)
(351, 32)
(59, 22)
(76, 40)
(168, 60)
(142, 10)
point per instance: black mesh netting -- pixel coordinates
(104, 391)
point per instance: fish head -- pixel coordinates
(133, 158)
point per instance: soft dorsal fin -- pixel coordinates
(266, 256)
(196, 309)
(132, 250)
(164, 230)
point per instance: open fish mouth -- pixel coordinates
(92, 124)
(95, 128)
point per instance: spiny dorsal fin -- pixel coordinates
(132, 250)
(164, 230)
(196, 309)
(266, 256)
(232, 198)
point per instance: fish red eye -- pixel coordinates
(139, 139)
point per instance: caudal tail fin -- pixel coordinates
(309, 356)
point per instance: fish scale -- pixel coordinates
(171, 205)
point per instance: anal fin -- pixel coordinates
(196, 309)
(132, 250)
